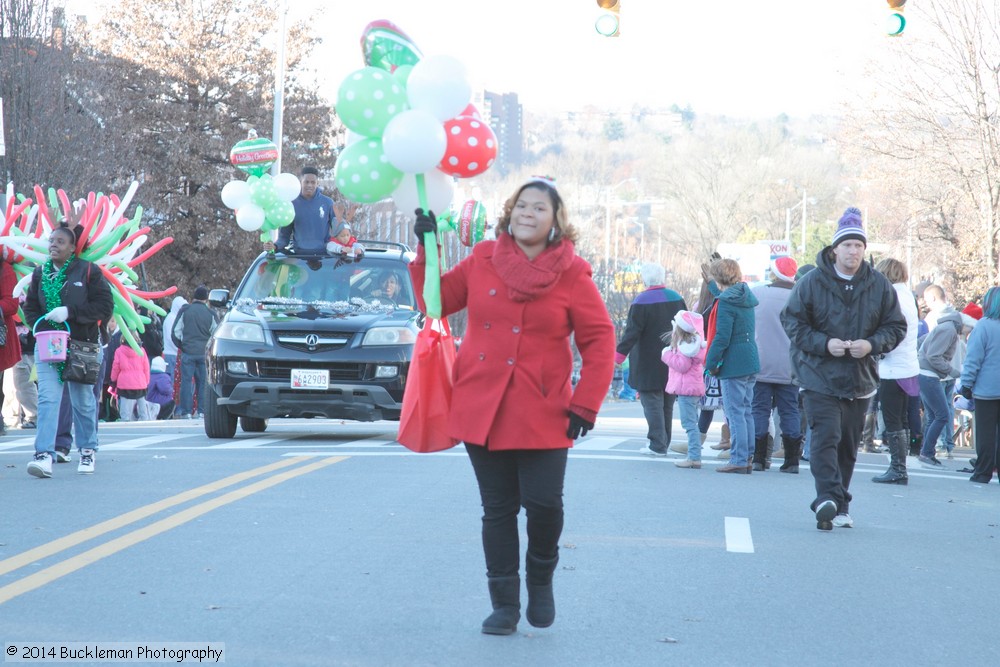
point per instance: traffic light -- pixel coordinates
(608, 22)
(897, 22)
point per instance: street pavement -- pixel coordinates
(326, 543)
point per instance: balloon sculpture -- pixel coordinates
(261, 202)
(413, 131)
(108, 239)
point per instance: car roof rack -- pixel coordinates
(369, 243)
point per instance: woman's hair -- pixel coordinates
(67, 231)
(564, 230)
(726, 271)
(991, 303)
(893, 269)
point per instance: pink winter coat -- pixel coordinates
(130, 370)
(687, 369)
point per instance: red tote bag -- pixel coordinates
(423, 424)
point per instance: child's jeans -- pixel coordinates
(689, 420)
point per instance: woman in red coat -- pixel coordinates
(526, 295)
(10, 351)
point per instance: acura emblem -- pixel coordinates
(312, 340)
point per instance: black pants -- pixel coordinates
(507, 480)
(835, 425)
(893, 402)
(987, 439)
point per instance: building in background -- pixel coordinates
(503, 112)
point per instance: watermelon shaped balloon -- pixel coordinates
(254, 155)
(385, 46)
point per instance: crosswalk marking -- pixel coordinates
(17, 443)
(250, 443)
(738, 538)
(135, 443)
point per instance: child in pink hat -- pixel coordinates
(685, 356)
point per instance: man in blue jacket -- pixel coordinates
(312, 226)
(839, 318)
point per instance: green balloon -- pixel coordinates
(402, 74)
(363, 174)
(368, 99)
(263, 192)
(285, 213)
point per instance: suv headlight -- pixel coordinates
(389, 336)
(246, 332)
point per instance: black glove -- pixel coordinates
(426, 223)
(966, 392)
(578, 426)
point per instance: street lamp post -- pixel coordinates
(788, 222)
(279, 90)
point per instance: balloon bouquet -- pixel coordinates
(412, 131)
(108, 239)
(261, 202)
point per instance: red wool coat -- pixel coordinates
(512, 386)
(10, 353)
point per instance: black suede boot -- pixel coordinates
(759, 452)
(899, 443)
(541, 604)
(793, 447)
(505, 594)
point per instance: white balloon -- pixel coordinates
(235, 194)
(287, 185)
(439, 85)
(250, 217)
(440, 188)
(414, 141)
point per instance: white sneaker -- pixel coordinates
(63, 457)
(651, 452)
(86, 465)
(843, 521)
(41, 465)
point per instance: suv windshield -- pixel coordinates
(328, 283)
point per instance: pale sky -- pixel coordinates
(748, 57)
(735, 57)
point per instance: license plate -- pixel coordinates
(303, 378)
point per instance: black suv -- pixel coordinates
(312, 336)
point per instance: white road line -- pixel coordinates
(15, 443)
(597, 443)
(136, 443)
(738, 538)
(251, 443)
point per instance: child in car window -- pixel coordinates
(343, 242)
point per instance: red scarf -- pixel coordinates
(529, 279)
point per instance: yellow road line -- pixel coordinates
(122, 520)
(74, 563)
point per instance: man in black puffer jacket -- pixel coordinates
(839, 319)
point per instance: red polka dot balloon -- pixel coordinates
(472, 147)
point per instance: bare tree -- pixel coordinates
(932, 130)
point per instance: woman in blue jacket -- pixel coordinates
(732, 355)
(981, 380)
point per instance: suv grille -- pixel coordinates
(282, 370)
(321, 342)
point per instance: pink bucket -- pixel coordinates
(51, 345)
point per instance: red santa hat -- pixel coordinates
(784, 269)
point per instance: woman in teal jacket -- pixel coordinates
(732, 355)
(981, 379)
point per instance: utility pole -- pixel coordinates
(279, 89)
